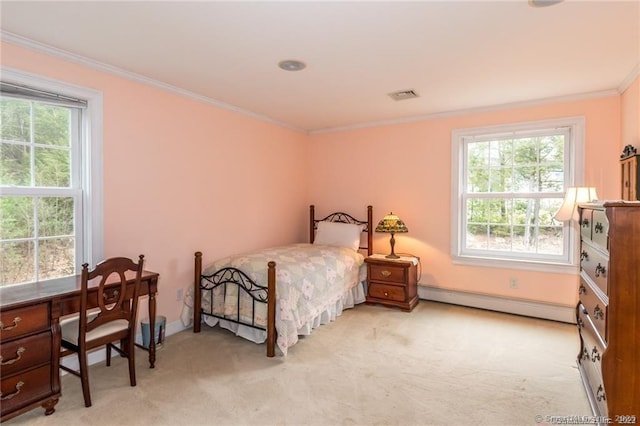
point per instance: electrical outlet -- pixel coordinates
(513, 283)
(179, 295)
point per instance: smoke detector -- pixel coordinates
(292, 65)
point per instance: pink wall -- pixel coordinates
(160, 148)
(406, 168)
(631, 115)
(181, 176)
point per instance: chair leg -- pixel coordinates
(132, 361)
(84, 378)
(108, 354)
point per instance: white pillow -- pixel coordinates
(339, 234)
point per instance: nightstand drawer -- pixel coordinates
(388, 273)
(388, 292)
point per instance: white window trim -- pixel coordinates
(575, 177)
(92, 232)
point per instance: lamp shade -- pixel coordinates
(574, 195)
(391, 223)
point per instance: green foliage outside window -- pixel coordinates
(35, 228)
(506, 182)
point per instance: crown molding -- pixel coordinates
(489, 108)
(635, 73)
(100, 66)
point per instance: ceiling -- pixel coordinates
(457, 55)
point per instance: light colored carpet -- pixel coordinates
(438, 365)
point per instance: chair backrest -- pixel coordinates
(112, 300)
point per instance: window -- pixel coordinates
(50, 177)
(508, 183)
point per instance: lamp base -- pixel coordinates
(392, 256)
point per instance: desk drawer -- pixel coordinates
(24, 388)
(23, 321)
(391, 274)
(24, 353)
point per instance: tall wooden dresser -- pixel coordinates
(608, 313)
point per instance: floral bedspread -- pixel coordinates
(309, 279)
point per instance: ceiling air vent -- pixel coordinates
(403, 94)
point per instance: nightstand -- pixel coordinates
(392, 282)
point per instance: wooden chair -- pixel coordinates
(114, 318)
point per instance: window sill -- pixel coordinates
(538, 266)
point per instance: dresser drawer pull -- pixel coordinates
(598, 313)
(600, 395)
(584, 255)
(585, 223)
(19, 386)
(598, 228)
(580, 323)
(386, 294)
(16, 320)
(386, 273)
(601, 270)
(19, 353)
(585, 354)
(595, 355)
(582, 289)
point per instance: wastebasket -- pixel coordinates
(160, 326)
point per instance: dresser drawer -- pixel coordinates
(595, 307)
(23, 321)
(585, 223)
(600, 229)
(387, 273)
(24, 388)
(590, 360)
(24, 353)
(388, 292)
(596, 266)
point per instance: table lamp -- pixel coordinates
(574, 195)
(391, 224)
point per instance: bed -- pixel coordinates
(279, 293)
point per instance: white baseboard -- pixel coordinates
(501, 304)
(100, 355)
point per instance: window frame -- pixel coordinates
(88, 174)
(573, 176)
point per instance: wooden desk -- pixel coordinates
(30, 338)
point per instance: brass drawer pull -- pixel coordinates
(16, 320)
(19, 386)
(598, 313)
(19, 353)
(386, 294)
(386, 273)
(585, 354)
(601, 270)
(600, 395)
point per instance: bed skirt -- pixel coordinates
(351, 298)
